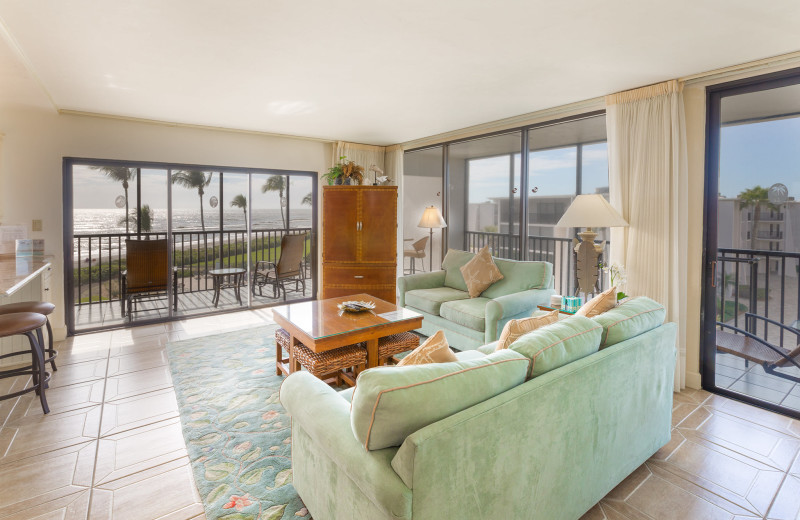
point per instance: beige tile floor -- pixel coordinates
(112, 445)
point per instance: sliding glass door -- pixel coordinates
(147, 243)
(751, 319)
(508, 190)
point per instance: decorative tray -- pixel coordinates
(354, 306)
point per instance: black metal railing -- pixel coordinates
(758, 282)
(557, 251)
(99, 259)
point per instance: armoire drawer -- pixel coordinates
(358, 275)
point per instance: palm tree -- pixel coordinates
(123, 175)
(145, 215)
(756, 198)
(194, 179)
(306, 200)
(276, 183)
(240, 201)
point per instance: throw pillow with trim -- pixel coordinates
(435, 349)
(480, 273)
(603, 302)
(515, 329)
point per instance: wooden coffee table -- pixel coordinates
(320, 326)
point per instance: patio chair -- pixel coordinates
(417, 251)
(288, 269)
(750, 347)
(147, 274)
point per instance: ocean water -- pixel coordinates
(109, 221)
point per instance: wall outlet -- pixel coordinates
(36, 225)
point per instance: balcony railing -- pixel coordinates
(99, 259)
(767, 216)
(770, 235)
(557, 251)
(760, 282)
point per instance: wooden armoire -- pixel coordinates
(359, 241)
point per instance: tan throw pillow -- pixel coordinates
(480, 272)
(515, 329)
(435, 349)
(605, 301)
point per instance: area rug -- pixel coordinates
(237, 434)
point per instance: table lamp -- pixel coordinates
(432, 219)
(589, 211)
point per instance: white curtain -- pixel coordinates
(362, 154)
(648, 177)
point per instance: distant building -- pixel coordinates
(543, 214)
(778, 229)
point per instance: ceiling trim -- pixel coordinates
(782, 60)
(508, 123)
(68, 112)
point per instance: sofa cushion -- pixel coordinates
(635, 316)
(519, 276)
(470, 354)
(515, 329)
(488, 348)
(390, 403)
(480, 273)
(559, 343)
(453, 261)
(470, 313)
(433, 350)
(603, 302)
(347, 394)
(429, 300)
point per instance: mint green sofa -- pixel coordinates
(442, 298)
(545, 449)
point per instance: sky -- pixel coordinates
(551, 171)
(91, 189)
(760, 154)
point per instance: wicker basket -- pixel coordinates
(331, 361)
(395, 344)
(323, 363)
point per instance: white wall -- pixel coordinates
(36, 140)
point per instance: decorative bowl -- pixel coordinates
(354, 306)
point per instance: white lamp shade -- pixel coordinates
(591, 211)
(432, 218)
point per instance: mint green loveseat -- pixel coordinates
(545, 449)
(442, 298)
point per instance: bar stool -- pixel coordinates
(44, 308)
(26, 323)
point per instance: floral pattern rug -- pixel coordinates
(237, 434)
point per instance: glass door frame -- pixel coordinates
(708, 308)
(68, 233)
(524, 167)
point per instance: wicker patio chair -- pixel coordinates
(147, 274)
(417, 251)
(750, 347)
(288, 269)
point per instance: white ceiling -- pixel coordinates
(375, 72)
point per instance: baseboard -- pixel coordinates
(59, 333)
(693, 380)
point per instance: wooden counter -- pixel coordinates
(16, 272)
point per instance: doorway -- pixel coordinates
(751, 308)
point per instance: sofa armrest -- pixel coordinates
(418, 281)
(504, 308)
(324, 416)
